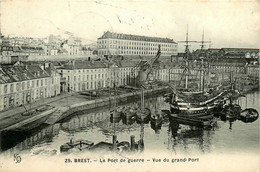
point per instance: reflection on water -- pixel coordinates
(161, 135)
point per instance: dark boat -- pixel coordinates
(156, 122)
(190, 121)
(156, 119)
(230, 111)
(143, 116)
(128, 116)
(89, 93)
(115, 116)
(249, 115)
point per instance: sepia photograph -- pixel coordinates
(131, 85)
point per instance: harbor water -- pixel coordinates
(226, 137)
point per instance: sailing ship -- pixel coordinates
(199, 103)
(195, 96)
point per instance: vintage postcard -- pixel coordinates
(104, 85)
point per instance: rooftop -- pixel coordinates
(241, 50)
(17, 73)
(83, 64)
(135, 37)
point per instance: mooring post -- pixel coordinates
(114, 141)
(132, 143)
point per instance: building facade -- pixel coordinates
(83, 75)
(122, 44)
(22, 84)
(91, 75)
(72, 46)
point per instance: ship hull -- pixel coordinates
(198, 112)
(197, 108)
(179, 119)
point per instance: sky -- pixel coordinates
(225, 23)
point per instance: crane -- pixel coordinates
(148, 69)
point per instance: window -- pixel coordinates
(18, 87)
(23, 85)
(28, 84)
(11, 88)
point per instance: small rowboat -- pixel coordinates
(249, 115)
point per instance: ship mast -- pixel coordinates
(187, 51)
(202, 41)
(202, 71)
(186, 71)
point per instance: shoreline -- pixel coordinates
(62, 112)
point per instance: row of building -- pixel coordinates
(26, 82)
(21, 84)
(127, 45)
(109, 44)
(228, 53)
(112, 44)
(70, 46)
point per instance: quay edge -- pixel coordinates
(65, 111)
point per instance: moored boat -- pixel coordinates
(143, 116)
(190, 121)
(196, 99)
(115, 116)
(128, 115)
(249, 115)
(231, 111)
(202, 107)
(156, 122)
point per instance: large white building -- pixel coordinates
(83, 75)
(122, 44)
(91, 75)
